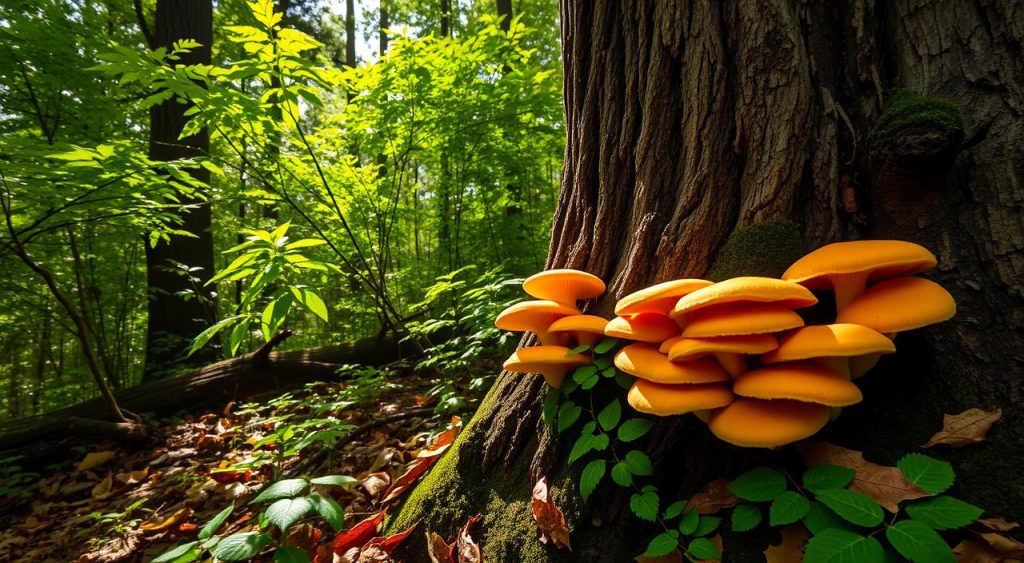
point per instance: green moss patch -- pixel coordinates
(764, 249)
(908, 108)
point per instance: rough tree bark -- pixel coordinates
(688, 119)
(174, 321)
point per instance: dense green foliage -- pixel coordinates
(336, 190)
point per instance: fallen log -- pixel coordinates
(215, 384)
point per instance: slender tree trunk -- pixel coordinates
(350, 33)
(446, 18)
(687, 119)
(505, 13)
(385, 23)
(174, 320)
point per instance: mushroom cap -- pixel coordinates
(667, 344)
(900, 304)
(643, 360)
(579, 323)
(533, 316)
(564, 286)
(536, 359)
(735, 321)
(645, 327)
(834, 340)
(879, 259)
(664, 400)
(689, 348)
(659, 298)
(800, 381)
(760, 423)
(746, 288)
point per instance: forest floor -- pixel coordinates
(111, 503)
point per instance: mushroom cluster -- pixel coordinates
(737, 353)
(557, 322)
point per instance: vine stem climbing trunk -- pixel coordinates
(689, 119)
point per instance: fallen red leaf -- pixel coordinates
(358, 535)
(885, 485)
(390, 543)
(424, 461)
(964, 429)
(549, 518)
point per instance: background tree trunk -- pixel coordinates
(174, 321)
(688, 119)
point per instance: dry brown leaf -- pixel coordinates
(132, 477)
(438, 549)
(995, 524)
(549, 518)
(791, 548)
(374, 554)
(885, 485)
(375, 484)
(94, 459)
(674, 556)
(713, 497)
(964, 429)
(467, 550)
(102, 489)
(1007, 547)
(972, 550)
(168, 522)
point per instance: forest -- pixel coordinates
(456, 281)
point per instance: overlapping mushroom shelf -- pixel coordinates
(737, 353)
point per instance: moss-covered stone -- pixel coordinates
(908, 108)
(764, 249)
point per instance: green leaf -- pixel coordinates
(274, 315)
(591, 477)
(926, 472)
(621, 475)
(688, 524)
(704, 549)
(328, 509)
(583, 444)
(842, 546)
(745, 516)
(213, 525)
(820, 517)
(662, 544)
(568, 414)
(852, 506)
(645, 503)
(919, 543)
(638, 463)
(943, 513)
(624, 380)
(634, 429)
(178, 552)
(787, 508)
(550, 412)
(583, 374)
(334, 480)
(286, 488)
(285, 512)
(290, 554)
(311, 301)
(609, 416)
(602, 363)
(825, 476)
(707, 525)
(241, 546)
(759, 485)
(673, 510)
(579, 349)
(605, 345)
(304, 243)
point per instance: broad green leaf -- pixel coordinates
(662, 544)
(820, 517)
(178, 553)
(240, 546)
(638, 463)
(286, 488)
(581, 447)
(645, 504)
(605, 345)
(215, 523)
(578, 350)
(673, 510)
(583, 374)
(787, 508)
(290, 554)
(609, 416)
(304, 243)
(919, 543)
(930, 474)
(704, 549)
(634, 429)
(203, 337)
(550, 412)
(852, 506)
(759, 485)
(745, 516)
(621, 474)
(707, 525)
(274, 315)
(334, 480)
(311, 301)
(568, 414)
(328, 509)
(825, 476)
(287, 511)
(943, 513)
(688, 523)
(842, 546)
(591, 477)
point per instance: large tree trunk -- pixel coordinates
(174, 320)
(688, 119)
